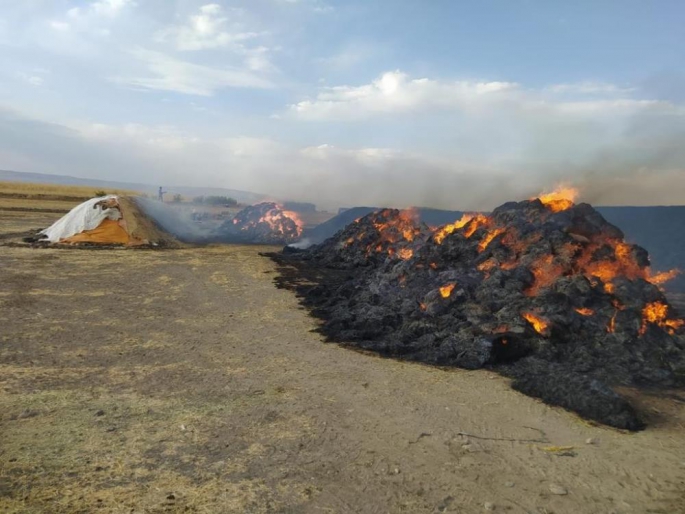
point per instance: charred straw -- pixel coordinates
(545, 291)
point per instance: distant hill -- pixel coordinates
(150, 189)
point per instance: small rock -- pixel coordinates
(509, 484)
(183, 427)
(111, 429)
(171, 496)
(100, 413)
(557, 489)
(396, 471)
(591, 440)
(489, 506)
(27, 413)
(445, 503)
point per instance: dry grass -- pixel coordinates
(27, 197)
(182, 381)
(21, 221)
(28, 203)
(57, 190)
(79, 461)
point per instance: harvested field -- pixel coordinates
(75, 193)
(45, 198)
(184, 381)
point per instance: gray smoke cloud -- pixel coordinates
(637, 160)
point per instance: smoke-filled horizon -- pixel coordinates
(470, 108)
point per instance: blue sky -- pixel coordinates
(450, 104)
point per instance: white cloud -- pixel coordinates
(258, 59)
(316, 5)
(102, 8)
(207, 29)
(61, 26)
(34, 80)
(170, 74)
(92, 18)
(590, 88)
(395, 92)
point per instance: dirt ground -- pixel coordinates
(136, 381)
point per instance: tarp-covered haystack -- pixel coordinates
(107, 220)
(544, 291)
(264, 223)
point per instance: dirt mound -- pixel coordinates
(544, 291)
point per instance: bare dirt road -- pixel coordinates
(184, 381)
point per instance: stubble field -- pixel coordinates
(184, 381)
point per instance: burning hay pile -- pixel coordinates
(544, 291)
(264, 223)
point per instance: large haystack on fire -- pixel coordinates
(263, 223)
(544, 291)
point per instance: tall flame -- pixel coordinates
(562, 198)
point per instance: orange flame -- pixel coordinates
(546, 271)
(562, 198)
(475, 223)
(539, 324)
(446, 230)
(663, 277)
(296, 218)
(446, 291)
(488, 238)
(657, 313)
(623, 264)
(584, 311)
(275, 218)
(611, 327)
(487, 265)
(405, 253)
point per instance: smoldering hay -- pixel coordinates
(263, 223)
(544, 291)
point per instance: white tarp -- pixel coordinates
(82, 217)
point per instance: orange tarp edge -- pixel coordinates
(109, 231)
